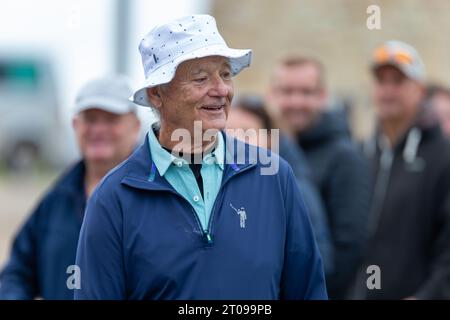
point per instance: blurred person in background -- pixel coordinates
(250, 112)
(106, 128)
(298, 95)
(409, 222)
(438, 98)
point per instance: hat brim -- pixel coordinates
(106, 104)
(239, 59)
(408, 73)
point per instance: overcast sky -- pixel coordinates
(78, 35)
(78, 38)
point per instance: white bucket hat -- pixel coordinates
(166, 46)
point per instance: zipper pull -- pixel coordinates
(208, 238)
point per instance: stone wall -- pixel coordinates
(334, 31)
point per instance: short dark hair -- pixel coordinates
(299, 60)
(254, 105)
(434, 89)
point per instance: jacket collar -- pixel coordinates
(163, 159)
(71, 184)
(72, 181)
(143, 174)
(425, 124)
(330, 125)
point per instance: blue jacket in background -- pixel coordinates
(142, 240)
(46, 244)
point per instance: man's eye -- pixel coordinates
(227, 75)
(112, 120)
(287, 91)
(200, 80)
(89, 119)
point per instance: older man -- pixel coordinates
(165, 226)
(107, 128)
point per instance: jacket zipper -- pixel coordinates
(207, 234)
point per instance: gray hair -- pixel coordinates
(155, 110)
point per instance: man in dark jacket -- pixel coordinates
(43, 253)
(196, 218)
(410, 215)
(297, 91)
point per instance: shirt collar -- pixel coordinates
(164, 159)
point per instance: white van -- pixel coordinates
(30, 129)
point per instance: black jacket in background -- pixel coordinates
(410, 217)
(342, 177)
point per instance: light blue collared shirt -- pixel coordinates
(179, 175)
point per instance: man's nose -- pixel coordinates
(296, 99)
(220, 87)
(98, 126)
(388, 89)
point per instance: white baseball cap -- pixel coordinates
(166, 46)
(108, 93)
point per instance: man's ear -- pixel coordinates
(154, 96)
(268, 95)
(323, 96)
(423, 89)
(272, 108)
(75, 122)
(136, 128)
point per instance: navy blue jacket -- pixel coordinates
(46, 244)
(142, 240)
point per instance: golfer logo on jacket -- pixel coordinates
(242, 215)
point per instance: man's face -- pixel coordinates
(104, 137)
(395, 95)
(441, 105)
(298, 94)
(201, 90)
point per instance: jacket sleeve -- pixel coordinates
(347, 197)
(437, 285)
(99, 252)
(303, 277)
(18, 280)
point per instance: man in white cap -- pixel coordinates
(163, 225)
(107, 129)
(408, 254)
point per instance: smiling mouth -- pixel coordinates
(213, 107)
